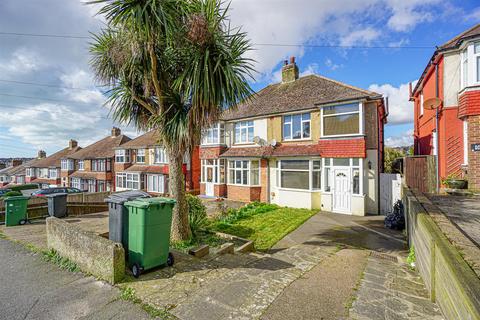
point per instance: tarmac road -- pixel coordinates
(31, 288)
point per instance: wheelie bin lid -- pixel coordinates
(13, 198)
(54, 195)
(147, 202)
(122, 197)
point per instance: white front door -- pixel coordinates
(342, 194)
(209, 181)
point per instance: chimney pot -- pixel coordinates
(292, 59)
(16, 162)
(41, 154)
(116, 132)
(72, 144)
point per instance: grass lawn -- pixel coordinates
(265, 228)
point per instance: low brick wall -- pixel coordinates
(95, 255)
(451, 281)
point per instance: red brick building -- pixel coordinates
(452, 79)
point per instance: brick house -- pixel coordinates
(142, 163)
(45, 171)
(452, 78)
(308, 142)
(13, 174)
(91, 168)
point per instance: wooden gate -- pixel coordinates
(420, 173)
(390, 191)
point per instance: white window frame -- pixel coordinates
(128, 181)
(217, 166)
(30, 172)
(214, 135)
(156, 183)
(160, 156)
(54, 175)
(81, 165)
(329, 167)
(66, 164)
(141, 153)
(122, 156)
(302, 126)
(100, 165)
(247, 169)
(421, 103)
(76, 183)
(360, 119)
(470, 65)
(244, 126)
(310, 171)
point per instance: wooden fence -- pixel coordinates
(420, 173)
(77, 204)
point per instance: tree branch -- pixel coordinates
(142, 103)
(156, 83)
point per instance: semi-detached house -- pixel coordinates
(91, 168)
(142, 164)
(308, 142)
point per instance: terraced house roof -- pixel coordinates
(146, 140)
(104, 148)
(456, 41)
(53, 160)
(302, 94)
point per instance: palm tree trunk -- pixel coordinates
(180, 226)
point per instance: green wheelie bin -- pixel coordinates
(149, 224)
(16, 211)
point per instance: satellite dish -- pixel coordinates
(432, 103)
(273, 142)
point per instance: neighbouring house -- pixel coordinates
(91, 168)
(45, 171)
(308, 142)
(451, 82)
(142, 164)
(13, 174)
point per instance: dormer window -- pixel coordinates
(296, 127)
(244, 132)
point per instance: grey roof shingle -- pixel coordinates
(302, 94)
(456, 41)
(101, 149)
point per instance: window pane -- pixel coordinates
(355, 162)
(344, 162)
(356, 181)
(295, 179)
(245, 177)
(237, 132)
(317, 164)
(287, 131)
(254, 164)
(327, 180)
(478, 69)
(352, 107)
(250, 134)
(345, 124)
(327, 161)
(477, 47)
(254, 177)
(295, 164)
(297, 126)
(316, 179)
(243, 137)
(306, 129)
(238, 176)
(306, 116)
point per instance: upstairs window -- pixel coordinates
(470, 65)
(214, 135)
(244, 132)
(160, 155)
(81, 165)
(296, 126)
(66, 164)
(30, 172)
(141, 155)
(342, 119)
(52, 173)
(122, 156)
(101, 165)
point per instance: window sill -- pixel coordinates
(298, 190)
(244, 143)
(243, 185)
(297, 140)
(343, 136)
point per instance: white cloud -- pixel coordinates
(364, 36)
(474, 15)
(331, 65)
(402, 140)
(400, 108)
(407, 14)
(81, 79)
(21, 61)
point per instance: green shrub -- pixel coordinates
(197, 214)
(12, 194)
(24, 187)
(411, 259)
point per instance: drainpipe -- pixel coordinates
(381, 158)
(268, 180)
(437, 115)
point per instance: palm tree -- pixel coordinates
(172, 66)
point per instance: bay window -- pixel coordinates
(122, 156)
(101, 165)
(30, 172)
(76, 183)
(342, 119)
(296, 126)
(160, 156)
(244, 172)
(470, 65)
(66, 164)
(141, 156)
(244, 132)
(214, 135)
(128, 181)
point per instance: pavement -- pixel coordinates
(34, 289)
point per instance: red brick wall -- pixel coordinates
(211, 152)
(243, 193)
(195, 168)
(264, 180)
(469, 104)
(343, 148)
(473, 157)
(219, 190)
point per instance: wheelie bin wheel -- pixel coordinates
(136, 270)
(23, 222)
(170, 259)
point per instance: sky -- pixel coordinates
(48, 94)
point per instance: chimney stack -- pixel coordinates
(116, 132)
(16, 162)
(3, 165)
(289, 71)
(41, 154)
(72, 144)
